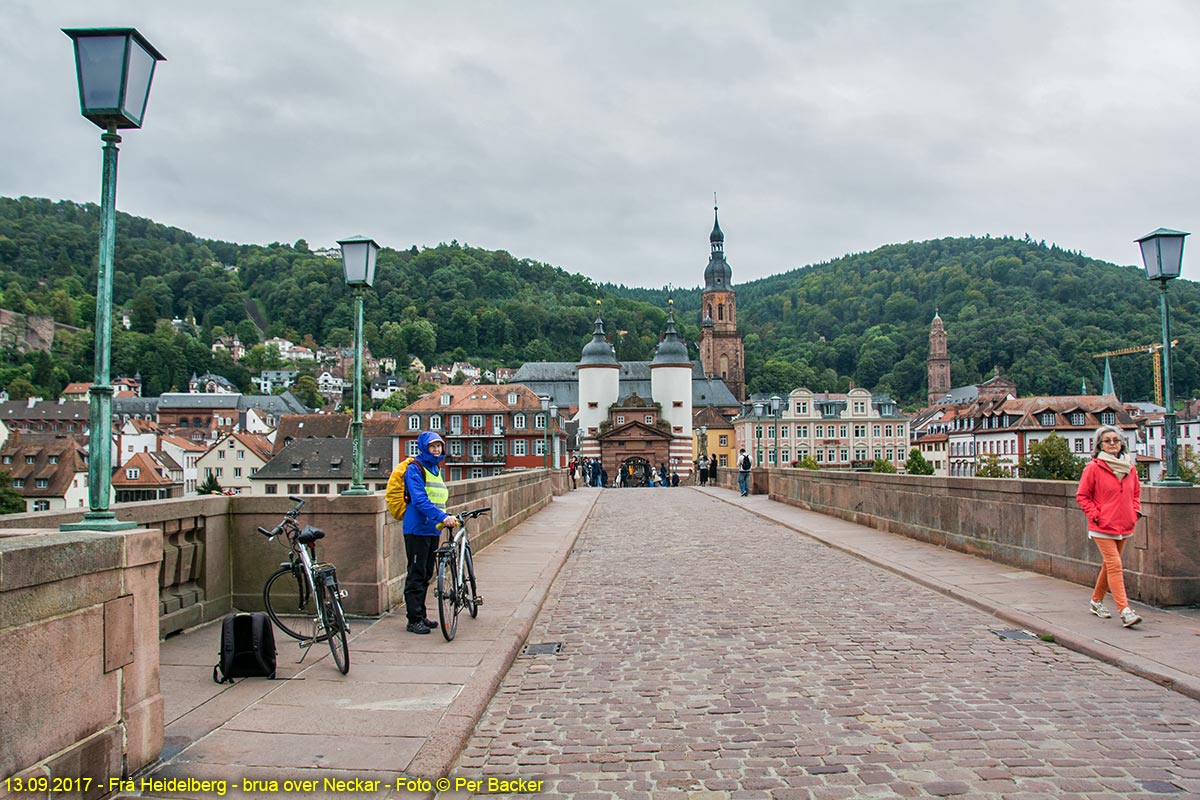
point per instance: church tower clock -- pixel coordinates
(721, 352)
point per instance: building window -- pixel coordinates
(649, 419)
(456, 448)
(477, 420)
(220, 455)
(293, 488)
(18, 483)
(28, 459)
(435, 422)
(723, 440)
(1079, 445)
(758, 431)
(237, 472)
(42, 483)
(1109, 418)
(309, 488)
(860, 407)
(322, 488)
(412, 447)
(133, 474)
(519, 420)
(512, 398)
(414, 422)
(445, 399)
(519, 447)
(801, 406)
(1077, 419)
(620, 419)
(220, 472)
(41, 505)
(498, 449)
(860, 431)
(539, 447)
(272, 488)
(498, 423)
(8, 459)
(241, 455)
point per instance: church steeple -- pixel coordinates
(938, 366)
(721, 351)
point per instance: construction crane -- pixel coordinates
(1153, 350)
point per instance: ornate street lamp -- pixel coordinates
(358, 262)
(545, 398)
(1162, 254)
(776, 406)
(114, 68)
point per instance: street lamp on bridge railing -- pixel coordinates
(776, 406)
(1162, 255)
(358, 263)
(114, 68)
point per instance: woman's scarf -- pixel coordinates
(1119, 466)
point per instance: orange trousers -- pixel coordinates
(1112, 574)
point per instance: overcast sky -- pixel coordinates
(592, 135)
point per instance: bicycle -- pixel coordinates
(456, 586)
(319, 601)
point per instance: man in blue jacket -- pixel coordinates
(426, 509)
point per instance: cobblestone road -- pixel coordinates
(707, 654)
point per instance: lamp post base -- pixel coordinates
(98, 521)
(355, 491)
(1171, 482)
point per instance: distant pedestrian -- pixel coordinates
(702, 471)
(674, 478)
(1111, 498)
(648, 473)
(662, 474)
(603, 477)
(743, 472)
(572, 467)
(712, 470)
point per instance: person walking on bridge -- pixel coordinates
(1110, 496)
(743, 472)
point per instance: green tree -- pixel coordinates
(1052, 459)
(306, 391)
(10, 501)
(21, 389)
(883, 465)
(394, 402)
(808, 462)
(917, 464)
(209, 485)
(988, 466)
(1189, 465)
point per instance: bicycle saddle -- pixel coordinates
(310, 535)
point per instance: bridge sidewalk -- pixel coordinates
(407, 706)
(1165, 647)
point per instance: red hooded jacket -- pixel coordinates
(1111, 505)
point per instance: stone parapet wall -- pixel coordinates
(1030, 524)
(79, 651)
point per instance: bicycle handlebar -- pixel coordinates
(290, 515)
(463, 516)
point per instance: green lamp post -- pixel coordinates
(114, 68)
(545, 400)
(776, 406)
(358, 263)
(1162, 255)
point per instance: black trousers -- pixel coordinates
(422, 559)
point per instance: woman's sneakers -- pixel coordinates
(1129, 617)
(1100, 611)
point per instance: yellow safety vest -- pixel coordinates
(435, 489)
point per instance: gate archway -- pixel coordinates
(638, 475)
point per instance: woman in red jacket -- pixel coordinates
(1110, 496)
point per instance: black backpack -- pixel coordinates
(247, 647)
(745, 463)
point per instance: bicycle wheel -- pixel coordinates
(282, 601)
(469, 589)
(335, 624)
(448, 601)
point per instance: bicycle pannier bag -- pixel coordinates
(247, 647)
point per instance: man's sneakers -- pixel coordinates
(1099, 610)
(421, 626)
(1129, 617)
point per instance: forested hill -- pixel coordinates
(1036, 312)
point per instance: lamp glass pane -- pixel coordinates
(1150, 257)
(1171, 248)
(101, 61)
(354, 262)
(372, 252)
(137, 82)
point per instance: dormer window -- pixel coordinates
(414, 422)
(1077, 419)
(512, 398)
(133, 474)
(445, 399)
(1108, 418)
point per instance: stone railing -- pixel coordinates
(1031, 524)
(81, 613)
(79, 655)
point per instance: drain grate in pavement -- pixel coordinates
(1160, 787)
(578, 550)
(545, 648)
(1016, 635)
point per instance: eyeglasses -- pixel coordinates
(1110, 440)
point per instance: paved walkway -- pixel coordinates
(710, 653)
(703, 647)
